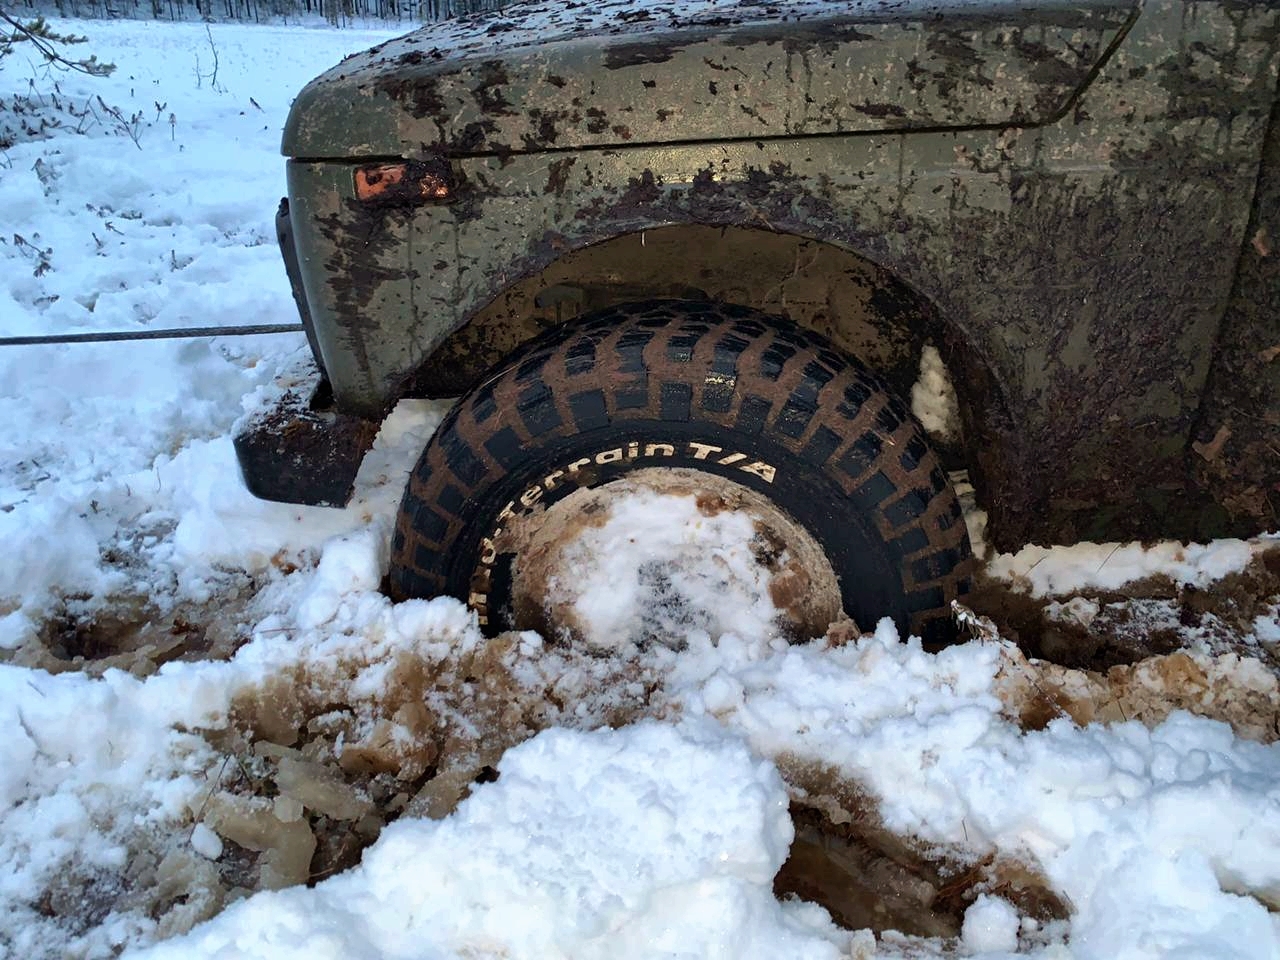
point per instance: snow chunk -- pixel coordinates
(1266, 627)
(990, 926)
(933, 397)
(348, 565)
(1076, 610)
(205, 842)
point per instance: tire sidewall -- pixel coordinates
(865, 565)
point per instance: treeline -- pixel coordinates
(337, 12)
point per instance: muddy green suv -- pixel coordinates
(801, 261)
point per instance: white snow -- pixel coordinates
(660, 838)
(661, 566)
(1055, 571)
(1266, 628)
(990, 926)
(205, 842)
(601, 23)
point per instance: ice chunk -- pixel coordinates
(287, 848)
(317, 788)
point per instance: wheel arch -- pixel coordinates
(864, 307)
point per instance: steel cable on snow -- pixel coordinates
(175, 333)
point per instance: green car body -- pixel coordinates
(1074, 202)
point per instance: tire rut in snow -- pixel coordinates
(869, 877)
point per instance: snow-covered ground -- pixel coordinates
(629, 806)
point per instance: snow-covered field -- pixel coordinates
(252, 714)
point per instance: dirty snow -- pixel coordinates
(933, 397)
(609, 21)
(122, 796)
(1127, 822)
(602, 844)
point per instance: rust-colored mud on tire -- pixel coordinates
(714, 388)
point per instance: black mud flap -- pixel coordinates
(296, 451)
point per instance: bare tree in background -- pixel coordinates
(337, 12)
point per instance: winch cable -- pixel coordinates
(175, 333)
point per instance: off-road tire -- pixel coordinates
(727, 390)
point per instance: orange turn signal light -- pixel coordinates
(405, 182)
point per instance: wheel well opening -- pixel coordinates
(861, 306)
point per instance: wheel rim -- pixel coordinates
(664, 554)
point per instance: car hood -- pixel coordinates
(564, 75)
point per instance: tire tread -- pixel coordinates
(672, 360)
